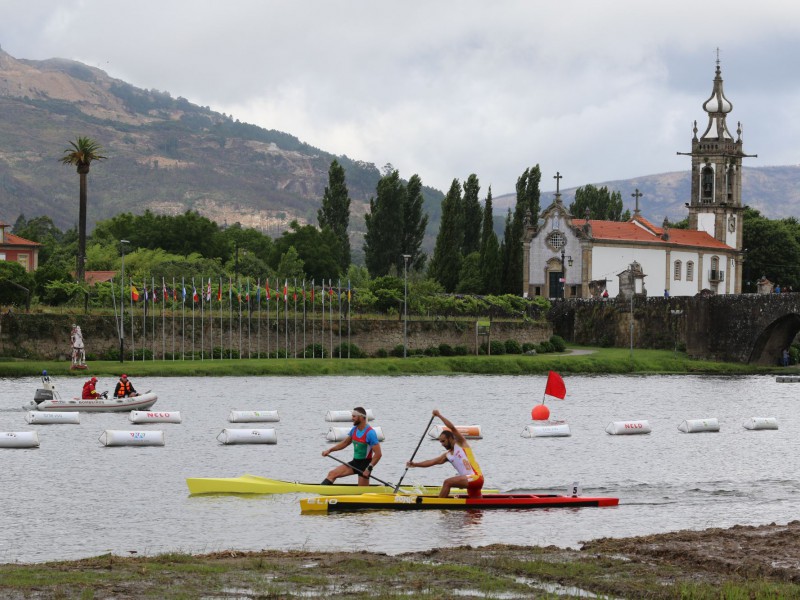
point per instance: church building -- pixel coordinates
(567, 256)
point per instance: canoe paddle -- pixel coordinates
(427, 427)
(386, 483)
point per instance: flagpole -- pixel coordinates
(278, 320)
(349, 298)
(144, 318)
(269, 335)
(230, 318)
(133, 323)
(153, 312)
(294, 297)
(174, 298)
(286, 316)
(258, 327)
(163, 320)
(330, 311)
(183, 318)
(313, 322)
(239, 298)
(202, 321)
(339, 307)
(249, 319)
(194, 296)
(304, 318)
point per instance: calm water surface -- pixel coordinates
(74, 497)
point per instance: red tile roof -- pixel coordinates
(15, 240)
(631, 232)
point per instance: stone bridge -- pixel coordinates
(745, 328)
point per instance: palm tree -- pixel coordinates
(81, 154)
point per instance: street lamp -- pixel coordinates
(122, 305)
(405, 303)
(564, 272)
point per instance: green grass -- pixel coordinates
(599, 360)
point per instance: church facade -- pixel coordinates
(569, 256)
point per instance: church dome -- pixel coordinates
(717, 103)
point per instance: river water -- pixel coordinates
(73, 497)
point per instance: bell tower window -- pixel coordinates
(707, 184)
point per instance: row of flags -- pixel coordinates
(180, 293)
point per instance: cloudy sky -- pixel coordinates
(596, 90)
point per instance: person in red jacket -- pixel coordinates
(89, 391)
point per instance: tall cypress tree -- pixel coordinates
(527, 200)
(414, 224)
(384, 237)
(335, 211)
(446, 262)
(506, 254)
(472, 216)
(491, 263)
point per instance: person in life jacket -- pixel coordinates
(366, 450)
(459, 454)
(124, 388)
(89, 392)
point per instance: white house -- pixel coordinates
(568, 256)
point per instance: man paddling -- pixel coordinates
(459, 454)
(366, 450)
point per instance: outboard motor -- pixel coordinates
(42, 395)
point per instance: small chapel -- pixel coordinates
(572, 256)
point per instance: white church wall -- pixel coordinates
(608, 262)
(706, 222)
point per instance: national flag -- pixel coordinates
(146, 295)
(247, 296)
(208, 291)
(294, 291)
(174, 293)
(349, 296)
(258, 291)
(195, 297)
(555, 386)
(164, 290)
(286, 291)
(134, 293)
(230, 290)
(304, 290)
(219, 291)
(330, 288)
(312, 291)
(183, 293)
(267, 290)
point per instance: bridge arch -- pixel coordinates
(776, 336)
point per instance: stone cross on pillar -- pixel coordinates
(637, 194)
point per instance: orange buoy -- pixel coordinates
(540, 413)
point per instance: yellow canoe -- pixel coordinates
(253, 484)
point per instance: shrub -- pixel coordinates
(460, 350)
(397, 351)
(381, 353)
(559, 345)
(446, 350)
(498, 347)
(432, 351)
(316, 351)
(513, 347)
(528, 346)
(345, 350)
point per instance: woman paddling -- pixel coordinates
(459, 454)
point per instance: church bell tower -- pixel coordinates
(715, 205)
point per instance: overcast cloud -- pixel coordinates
(596, 90)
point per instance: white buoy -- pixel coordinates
(115, 437)
(546, 430)
(36, 417)
(337, 434)
(470, 432)
(19, 439)
(254, 416)
(345, 416)
(149, 416)
(758, 423)
(628, 427)
(699, 425)
(248, 436)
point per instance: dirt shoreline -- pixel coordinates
(739, 562)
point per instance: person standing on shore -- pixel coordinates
(459, 454)
(366, 450)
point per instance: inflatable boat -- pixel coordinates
(329, 504)
(252, 484)
(50, 403)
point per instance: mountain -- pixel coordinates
(773, 191)
(164, 154)
(169, 155)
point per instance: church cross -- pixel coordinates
(637, 194)
(558, 176)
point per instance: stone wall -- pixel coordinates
(46, 336)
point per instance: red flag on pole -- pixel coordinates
(555, 386)
(267, 290)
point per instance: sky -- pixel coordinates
(597, 91)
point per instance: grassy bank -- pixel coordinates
(736, 563)
(575, 360)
